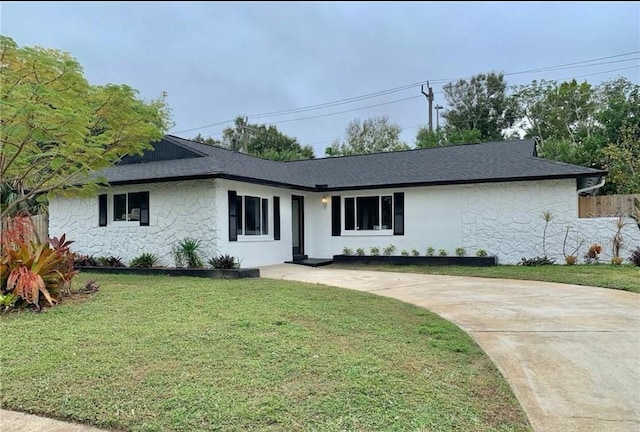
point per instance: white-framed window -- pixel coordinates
(368, 213)
(130, 207)
(253, 215)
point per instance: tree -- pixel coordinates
(443, 137)
(623, 161)
(259, 140)
(57, 129)
(480, 104)
(373, 135)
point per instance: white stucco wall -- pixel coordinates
(502, 218)
(176, 209)
(254, 251)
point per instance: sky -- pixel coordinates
(218, 60)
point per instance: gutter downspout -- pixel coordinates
(599, 185)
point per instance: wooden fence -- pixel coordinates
(607, 205)
(40, 226)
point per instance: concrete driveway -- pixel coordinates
(570, 353)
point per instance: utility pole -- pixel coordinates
(438, 108)
(429, 97)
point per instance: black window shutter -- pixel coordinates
(335, 216)
(102, 210)
(276, 218)
(233, 217)
(398, 213)
(144, 208)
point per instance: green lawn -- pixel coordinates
(183, 354)
(625, 277)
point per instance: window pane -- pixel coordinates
(368, 213)
(137, 201)
(120, 207)
(349, 214)
(387, 212)
(251, 216)
(239, 213)
(265, 216)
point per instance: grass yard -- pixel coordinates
(625, 277)
(153, 353)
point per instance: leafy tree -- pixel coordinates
(480, 104)
(57, 129)
(372, 135)
(208, 140)
(618, 110)
(445, 137)
(623, 160)
(260, 140)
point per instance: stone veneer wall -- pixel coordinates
(177, 210)
(506, 220)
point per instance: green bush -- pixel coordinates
(360, 251)
(442, 252)
(404, 252)
(481, 253)
(415, 252)
(187, 253)
(388, 251)
(224, 262)
(146, 260)
(110, 261)
(430, 251)
(461, 251)
(347, 251)
(375, 251)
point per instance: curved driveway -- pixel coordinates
(570, 353)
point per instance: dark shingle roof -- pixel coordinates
(471, 163)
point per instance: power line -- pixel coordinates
(580, 64)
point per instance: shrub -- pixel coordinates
(404, 252)
(430, 251)
(481, 253)
(89, 287)
(593, 254)
(461, 251)
(110, 261)
(442, 252)
(635, 257)
(84, 261)
(570, 259)
(146, 260)
(375, 251)
(536, 262)
(187, 253)
(360, 251)
(223, 262)
(347, 251)
(415, 252)
(388, 251)
(63, 247)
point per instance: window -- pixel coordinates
(252, 215)
(131, 207)
(369, 213)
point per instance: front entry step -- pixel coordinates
(312, 262)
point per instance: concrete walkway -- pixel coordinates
(11, 421)
(570, 353)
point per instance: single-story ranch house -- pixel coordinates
(479, 196)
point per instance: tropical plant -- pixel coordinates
(89, 287)
(461, 251)
(110, 261)
(481, 253)
(388, 251)
(223, 262)
(84, 261)
(593, 254)
(347, 251)
(67, 260)
(536, 262)
(187, 253)
(375, 251)
(442, 252)
(360, 251)
(145, 260)
(617, 239)
(430, 251)
(571, 258)
(415, 252)
(547, 216)
(404, 252)
(8, 302)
